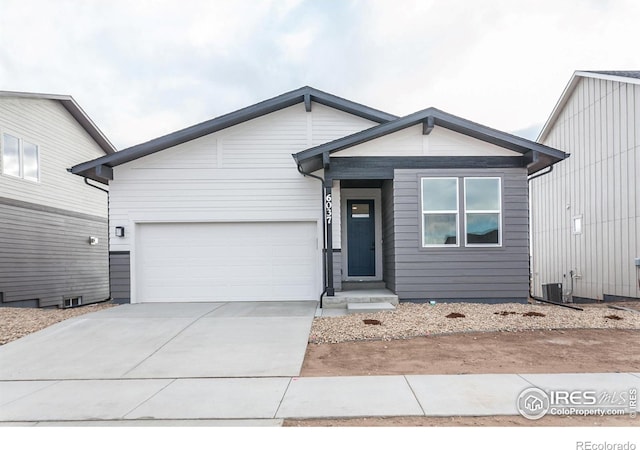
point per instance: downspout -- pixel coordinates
(530, 234)
(86, 181)
(324, 230)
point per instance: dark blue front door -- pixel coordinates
(361, 242)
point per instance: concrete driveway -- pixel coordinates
(166, 340)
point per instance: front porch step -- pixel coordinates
(356, 308)
(362, 285)
(369, 296)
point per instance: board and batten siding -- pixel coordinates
(482, 273)
(46, 256)
(62, 143)
(244, 173)
(600, 182)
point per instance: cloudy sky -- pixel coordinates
(142, 69)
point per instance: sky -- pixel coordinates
(142, 69)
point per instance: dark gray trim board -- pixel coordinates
(47, 257)
(305, 94)
(382, 167)
(486, 301)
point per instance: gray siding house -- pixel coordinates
(53, 239)
(307, 194)
(586, 212)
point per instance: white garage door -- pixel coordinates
(204, 262)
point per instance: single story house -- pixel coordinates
(53, 225)
(307, 192)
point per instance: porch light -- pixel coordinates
(120, 231)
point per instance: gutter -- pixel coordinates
(86, 181)
(531, 235)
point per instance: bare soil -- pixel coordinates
(603, 349)
(538, 351)
(486, 421)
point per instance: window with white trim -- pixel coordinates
(20, 158)
(483, 211)
(440, 212)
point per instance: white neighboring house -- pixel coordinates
(48, 216)
(307, 193)
(586, 212)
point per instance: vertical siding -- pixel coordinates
(461, 273)
(388, 236)
(46, 256)
(119, 268)
(600, 127)
(62, 143)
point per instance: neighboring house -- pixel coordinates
(586, 212)
(431, 205)
(53, 239)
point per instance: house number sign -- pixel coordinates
(328, 208)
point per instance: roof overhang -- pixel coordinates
(577, 76)
(535, 156)
(76, 112)
(305, 95)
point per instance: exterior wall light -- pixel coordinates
(120, 231)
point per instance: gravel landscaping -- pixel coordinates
(413, 320)
(18, 322)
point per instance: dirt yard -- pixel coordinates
(607, 347)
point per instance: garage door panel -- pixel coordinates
(226, 261)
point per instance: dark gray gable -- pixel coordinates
(539, 155)
(99, 169)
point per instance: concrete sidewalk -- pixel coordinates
(268, 400)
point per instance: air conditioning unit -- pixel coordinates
(552, 292)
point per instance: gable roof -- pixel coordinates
(623, 76)
(304, 95)
(75, 110)
(311, 159)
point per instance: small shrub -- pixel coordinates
(613, 317)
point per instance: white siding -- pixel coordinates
(411, 142)
(62, 143)
(243, 173)
(600, 127)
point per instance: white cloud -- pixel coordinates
(145, 68)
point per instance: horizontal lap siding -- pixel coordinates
(119, 267)
(464, 272)
(62, 143)
(47, 256)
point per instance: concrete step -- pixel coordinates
(343, 298)
(355, 308)
(362, 285)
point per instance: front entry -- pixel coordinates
(361, 241)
